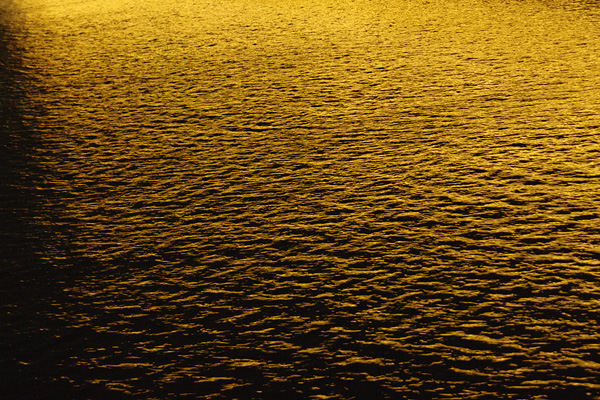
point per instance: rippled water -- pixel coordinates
(305, 199)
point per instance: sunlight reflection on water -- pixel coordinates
(309, 199)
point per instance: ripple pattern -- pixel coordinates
(314, 200)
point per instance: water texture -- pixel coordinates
(271, 199)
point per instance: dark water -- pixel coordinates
(270, 199)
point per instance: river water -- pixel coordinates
(274, 199)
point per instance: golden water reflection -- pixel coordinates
(313, 199)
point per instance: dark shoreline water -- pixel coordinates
(263, 199)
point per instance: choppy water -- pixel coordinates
(300, 199)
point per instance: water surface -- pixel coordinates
(301, 199)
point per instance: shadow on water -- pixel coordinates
(16, 145)
(29, 291)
